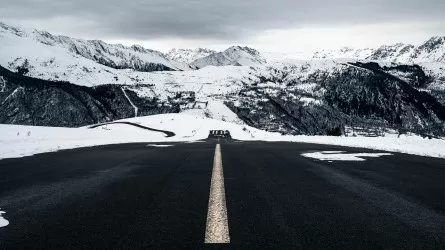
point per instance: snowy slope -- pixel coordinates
(235, 55)
(52, 63)
(19, 141)
(208, 83)
(115, 56)
(217, 110)
(188, 56)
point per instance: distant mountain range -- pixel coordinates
(39, 44)
(18, 44)
(433, 50)
(200, 58)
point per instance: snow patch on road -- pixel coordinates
(3, 221)
(159, 145)
(342, 156)
(407, 144)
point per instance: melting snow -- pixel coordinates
(342, 156)
(3, 221)
(159, 145)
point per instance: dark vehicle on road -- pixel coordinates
(219, 134)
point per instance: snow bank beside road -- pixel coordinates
(19, 141)
(414, 145)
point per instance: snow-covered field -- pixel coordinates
(20, 141)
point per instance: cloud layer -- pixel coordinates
(208, 19)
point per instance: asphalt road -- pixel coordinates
(134, 196)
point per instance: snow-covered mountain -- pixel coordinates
(273, 57)
(345, 52)
(235, 56)
(188, 56)
(45, 81)
(41, 46)
(433, 51)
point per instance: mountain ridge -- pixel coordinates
(234, 55)
(432, 50)
(116, 56)
(188, 56)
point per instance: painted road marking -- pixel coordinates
(217, 228)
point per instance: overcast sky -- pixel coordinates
(268, 25)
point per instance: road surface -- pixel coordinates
(260, 195)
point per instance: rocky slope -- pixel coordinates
(30, 101)
(188, 56)
(352, 95)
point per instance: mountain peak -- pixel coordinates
(188, 55)
(433, 43)
(138, 48)
(18, 31)
(249, 50)
(234, 55)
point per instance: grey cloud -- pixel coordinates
(211, 19)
